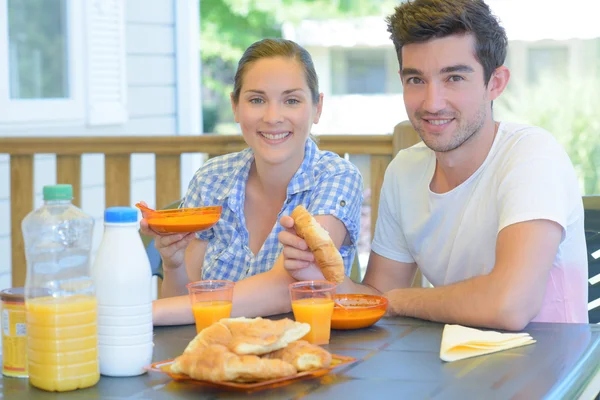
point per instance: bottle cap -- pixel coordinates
(13, 295)
(58, 192)
(120, 215)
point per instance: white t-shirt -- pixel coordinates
(452, 236)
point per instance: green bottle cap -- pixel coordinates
(58, 192)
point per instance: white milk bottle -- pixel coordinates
(123, 283)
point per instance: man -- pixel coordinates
(489, 211)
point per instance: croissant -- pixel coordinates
(249, 336)
(217, 333)
(250, 350)
(327, 256)
(302, 355)
(216, 363)
(256, 336)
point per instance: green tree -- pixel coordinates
(228, 27)
(567, 108)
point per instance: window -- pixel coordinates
(43, 62)
(366, 71)
(37, 50)
(359, 71)
(43, 51)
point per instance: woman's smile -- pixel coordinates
(275, 137)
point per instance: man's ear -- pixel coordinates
(498, 82)
(233, 107)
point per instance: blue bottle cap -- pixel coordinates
(120, 215)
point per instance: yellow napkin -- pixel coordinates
(460, 342)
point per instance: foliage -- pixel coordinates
(228, 27)
(568, 108)
(209, 117)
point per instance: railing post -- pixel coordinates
(21, 203)
(168, 179)
(68, 170)
(117, 179)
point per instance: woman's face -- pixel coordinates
(275, 110)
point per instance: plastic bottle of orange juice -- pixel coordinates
(60, 302)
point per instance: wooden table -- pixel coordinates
(398, 359)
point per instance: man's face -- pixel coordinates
(444, 92)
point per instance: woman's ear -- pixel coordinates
(233, 107)
(319, 109)
(498, 82)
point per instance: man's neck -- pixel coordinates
(456, 166)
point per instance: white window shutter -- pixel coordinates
(106, 68)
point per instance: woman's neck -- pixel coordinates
(271, 179)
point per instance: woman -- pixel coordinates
(275, 100)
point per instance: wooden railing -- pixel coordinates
(118, 150)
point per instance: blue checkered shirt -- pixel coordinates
(325, 184)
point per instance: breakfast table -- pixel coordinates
(397, 358)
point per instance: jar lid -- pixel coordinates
(16, 295)
(120, 215)
(58, 192)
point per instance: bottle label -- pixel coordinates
(14, 340)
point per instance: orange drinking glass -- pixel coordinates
(211, 301)
(312, 303)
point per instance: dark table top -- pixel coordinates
(398, 358)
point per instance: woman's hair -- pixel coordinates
(418, 21)
(269, 48)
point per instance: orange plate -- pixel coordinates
(336, 362)
(362, 310)
(184, 219)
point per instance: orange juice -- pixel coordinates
(317, 313)
(208, 312)
(62, 343)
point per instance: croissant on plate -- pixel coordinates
(250, 350)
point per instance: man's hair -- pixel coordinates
(418, 21)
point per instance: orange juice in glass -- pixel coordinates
(62, 342)
(312, 303)
(211, 301)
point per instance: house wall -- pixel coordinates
(152, 105)
(583, 58)
(356, 113)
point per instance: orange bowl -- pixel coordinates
(184, 219)
(361, 310)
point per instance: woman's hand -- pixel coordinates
(170, 246)
(298, 259)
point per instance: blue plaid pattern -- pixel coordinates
(325, 184)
